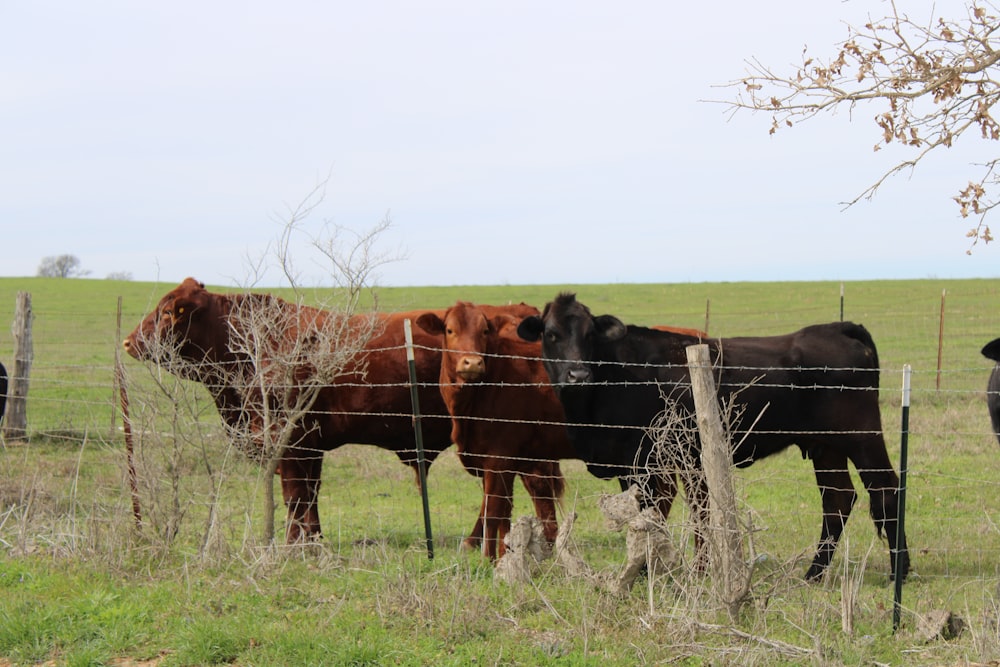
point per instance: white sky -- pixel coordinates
(509, 143)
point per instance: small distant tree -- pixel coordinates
(61, 266)
(930, 83)
(120, 275)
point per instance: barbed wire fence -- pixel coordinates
(194, 486)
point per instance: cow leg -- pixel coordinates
(545, 486)
(473, 466)
(300, 481)
(882, 483)
(498, 491)
(838, 495)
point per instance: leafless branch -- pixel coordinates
(295, 351)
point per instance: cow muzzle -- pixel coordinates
(471, 367)
(577, 375)
(132, 347)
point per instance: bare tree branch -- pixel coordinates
(296, 351)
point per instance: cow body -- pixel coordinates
(369, 403)
(992, 351)
(816, 388)
(506, 420)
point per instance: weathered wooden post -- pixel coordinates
(15, 425)
(729, 569)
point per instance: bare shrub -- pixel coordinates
(281, 355)
(183, 461)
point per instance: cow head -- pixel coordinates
(183, 327)
(992, 350)
(467, 335)
(570, 336)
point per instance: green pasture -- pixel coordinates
(80, 584)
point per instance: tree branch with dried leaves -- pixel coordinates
(931, 83)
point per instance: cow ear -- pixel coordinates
(531, 328)
(182, 310)
(609, 327)
(498, 323)
(198, 301)
(504, 325)
(992, 350)
(431, 323)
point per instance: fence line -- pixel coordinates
(51, 386)
(944, 417)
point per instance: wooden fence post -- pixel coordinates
(15, 425)
(729, 569)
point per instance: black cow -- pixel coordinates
(3, 391)
(816, 388)
(992, 351)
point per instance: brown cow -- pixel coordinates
(504, 414)
(694, 333)
(506, 417)
(369, 404)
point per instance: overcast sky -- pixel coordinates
(514, 142)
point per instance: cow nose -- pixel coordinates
(132, 347)
(577, 375)
(471, 366)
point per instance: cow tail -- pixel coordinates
(558, 482)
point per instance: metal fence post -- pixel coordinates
(419, 435)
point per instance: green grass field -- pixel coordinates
(79, 584)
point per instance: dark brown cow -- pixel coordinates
(507, 420)
(369, 407)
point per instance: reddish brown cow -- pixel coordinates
(696, 333)
(506, 417)
(369, 404)
(504, 413)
